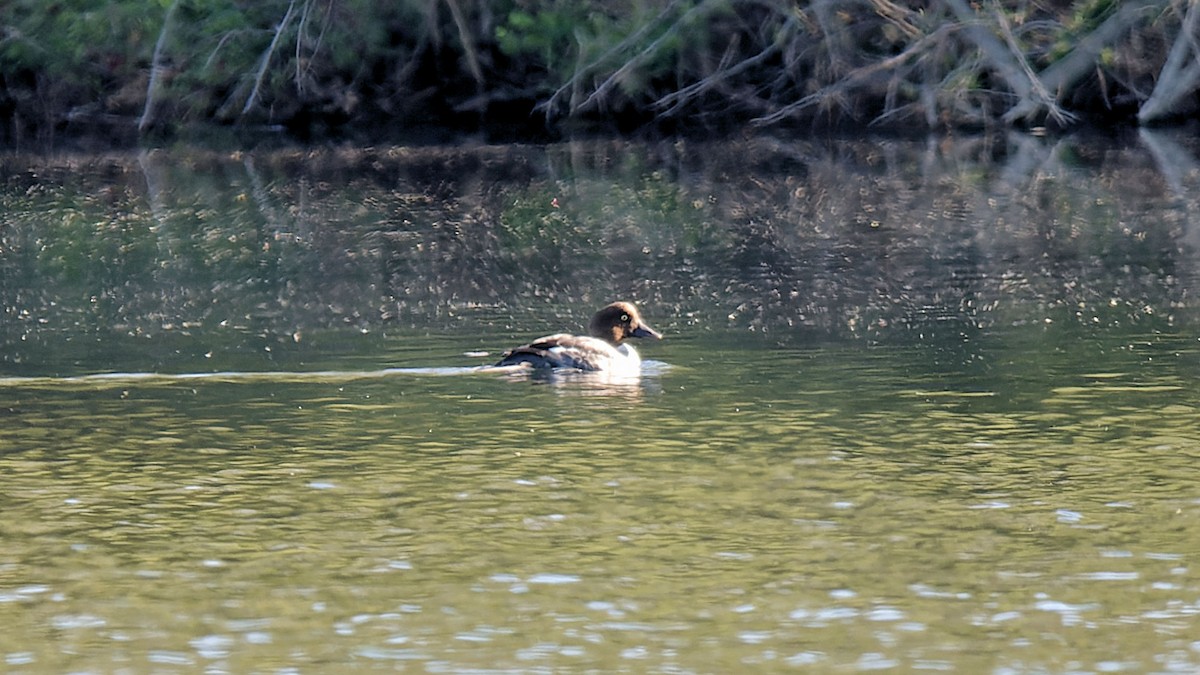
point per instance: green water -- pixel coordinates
(915, 442)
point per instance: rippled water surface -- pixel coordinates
(919, 407)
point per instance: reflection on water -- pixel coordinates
(565, 381)
(919, 408)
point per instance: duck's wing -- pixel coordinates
(562, 350)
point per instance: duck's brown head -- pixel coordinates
(619, 321)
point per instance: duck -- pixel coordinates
(603, 350)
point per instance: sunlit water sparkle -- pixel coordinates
(902, 419)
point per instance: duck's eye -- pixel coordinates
(624, 318)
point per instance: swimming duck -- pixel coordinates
(602, 351)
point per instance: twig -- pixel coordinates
(212, 56)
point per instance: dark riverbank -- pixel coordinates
(537, 70)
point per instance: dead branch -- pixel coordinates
(898, 17)
(584, 70)
(302, 65)
(156, 69)
(1041, 96)
(1082, 59)
(992, 49)
(612, 80)
(837, 38)
(468, 43)
(1180, 73)
(673, 101)
(854, 77)
(266, 57)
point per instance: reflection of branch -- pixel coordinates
(156, 68)
(1030, 161)
(155, 192)
(262, 196)
(1175, 163)
(1175, 81)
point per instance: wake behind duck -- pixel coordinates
(602, 355)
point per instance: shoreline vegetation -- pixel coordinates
(541, 69)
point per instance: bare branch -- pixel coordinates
(157, 68)
(854, 77)
(837, 39)
(992, 49)
(584, 70)
(266, 57)
(724, 71)
(464, 35)
(1176, 80)
(1010, 64)
(1040, 95)
(1082, 59)
(897, 16)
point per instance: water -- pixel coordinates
(919, 408)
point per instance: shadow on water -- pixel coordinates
(929, 406)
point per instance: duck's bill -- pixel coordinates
(646, 332)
